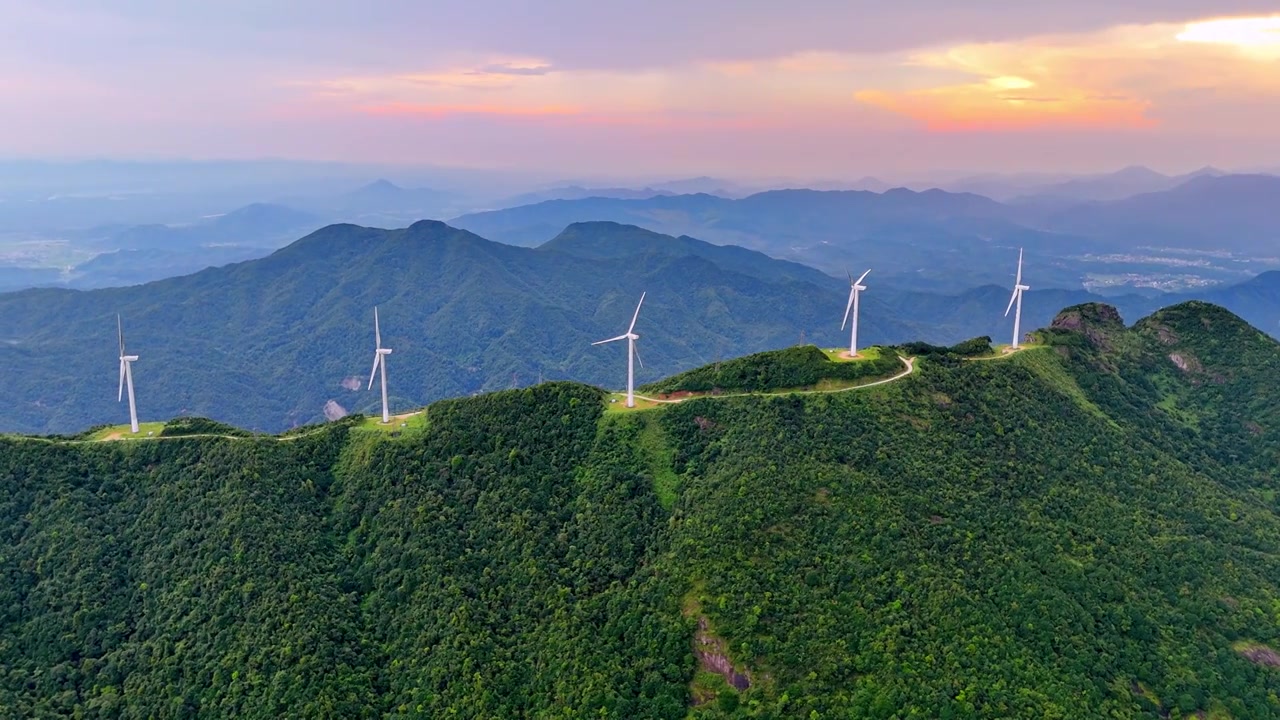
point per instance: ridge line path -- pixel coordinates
(909, 362)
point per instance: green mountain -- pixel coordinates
(1086, 528)
(284, 340)
(270, 343)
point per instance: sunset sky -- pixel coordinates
(803, 87)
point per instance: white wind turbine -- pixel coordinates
(126, 376)
(632, 353)
(854, 289)
(1018, 289)
(380, 361)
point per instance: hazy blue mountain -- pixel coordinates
(17, 278)
(944, 242)
(575, 192)
(1230, 212)
(256, 225)
(1119, 185)
(997, 186)
(702, 184)
(1256, 300)
(134, 267)
(384, 203)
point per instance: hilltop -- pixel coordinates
(1083, 528)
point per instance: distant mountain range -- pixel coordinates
(928, 237)
(269, 343)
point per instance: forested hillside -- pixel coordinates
(286, 340)
(1085, 528)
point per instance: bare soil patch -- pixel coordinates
(1259, 654)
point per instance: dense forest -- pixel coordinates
(1085, 528)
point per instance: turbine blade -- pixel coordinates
(847, 309)
(377, 331)
(637, 315)
(636, 350)
(1012, 297)
(120, 332)
(849, 274)
(377, 358)
(864, 276)
(1019, 280)
(120, 392)
(620, 337)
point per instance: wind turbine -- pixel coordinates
(1018, 289)
(380, 361)
(126, 376)
(632, 353)
(854, 289)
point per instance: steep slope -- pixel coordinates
(1036, 535)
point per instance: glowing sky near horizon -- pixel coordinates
(808, 87)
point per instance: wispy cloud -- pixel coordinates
(512, 69)
(424, 110)
(1114, 78)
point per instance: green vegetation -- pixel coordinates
(123, 432)
(1031, 537)
(200, 426)
(979, 347)
(400, 424)
(799, 367)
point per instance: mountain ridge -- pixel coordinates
(1085, 528)
(269, 343)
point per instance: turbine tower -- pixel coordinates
(380, 361)
(1016, 298)
(126, 376)
(854, 289)
(632, 353)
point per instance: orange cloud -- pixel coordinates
(1120, 77)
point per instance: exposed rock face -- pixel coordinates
(711, 655)
(1260, 655)
(333, 411)
(1185, 362)
(352, 383)
(1094, 320)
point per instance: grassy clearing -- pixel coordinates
(1047, 367)
(121, 432)
(659, 457)
(838, 354)
(405, 423)
(617, 403)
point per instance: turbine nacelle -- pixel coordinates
(128, 358)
